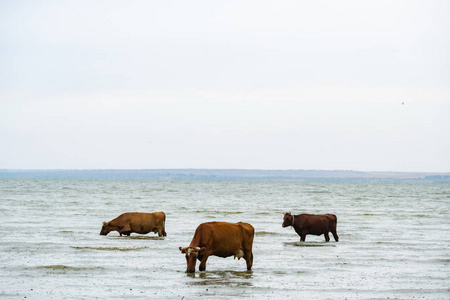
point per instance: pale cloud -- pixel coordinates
(228, 84)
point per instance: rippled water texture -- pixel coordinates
(394, 240)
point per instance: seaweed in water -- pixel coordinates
(109, 248)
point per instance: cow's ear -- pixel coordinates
(104, 223)
(183, 250)
(202, 250)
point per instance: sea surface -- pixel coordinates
(394, 240)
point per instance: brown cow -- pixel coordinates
(136, 222)
(312, 224)
(220, 239)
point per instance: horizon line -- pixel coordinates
(219, 169)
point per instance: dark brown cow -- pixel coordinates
(220, 239)
(136, 222)
(312, 224)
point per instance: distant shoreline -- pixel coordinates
(229, 174)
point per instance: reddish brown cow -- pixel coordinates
(312, 224)
(136, 222)
(220, 239)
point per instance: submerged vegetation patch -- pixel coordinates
(220, 212)
(142, 237)
(109, 248)
(265, 233)
(66, 268)
(309, 244)
(54, 267)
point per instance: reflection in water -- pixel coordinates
(310, 244)
(221, 278)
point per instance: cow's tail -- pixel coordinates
(333, 228)
(334, 222)
(164, 226)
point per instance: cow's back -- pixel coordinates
(222, 238)
(144, 222)
(316, 224)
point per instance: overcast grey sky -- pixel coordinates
(225, 84)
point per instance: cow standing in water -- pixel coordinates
(137, 222)
(312, 224)
(220, 239)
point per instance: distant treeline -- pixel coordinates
(231, 175)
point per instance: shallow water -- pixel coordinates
(394, 240)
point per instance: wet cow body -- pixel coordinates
(312, 224)
(220, 239)
(137, 222)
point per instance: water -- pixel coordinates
(394, 240)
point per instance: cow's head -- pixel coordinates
(192, 254)
(288, 220)
(106, 228)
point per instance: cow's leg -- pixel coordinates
(159, 231)
(202, 266)
(248, 256)
(302, 237)
(125, 230)
(336, 238)
(327, 236)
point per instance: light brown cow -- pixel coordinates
(137, 222)
(312, 224)
(220, 239)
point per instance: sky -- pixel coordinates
(328, 85)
